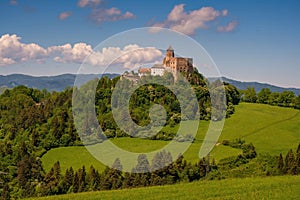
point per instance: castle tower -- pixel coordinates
(168, 57)
(170, 52)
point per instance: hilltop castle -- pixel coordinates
(170, 63)
(177, 64)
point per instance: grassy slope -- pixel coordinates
(271, 129)
(281, 187)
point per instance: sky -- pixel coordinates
(250, 40)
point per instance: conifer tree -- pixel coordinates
(289, 162)
(94, 179)
(82, 179)
(75, 184)
(280, 164)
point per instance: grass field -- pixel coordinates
(271, 129)
(280, 187)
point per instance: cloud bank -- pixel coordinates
(13, 51)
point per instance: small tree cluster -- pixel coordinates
(290, 164)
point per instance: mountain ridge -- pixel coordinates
(60, 82)
(51, 83)
(243, 85)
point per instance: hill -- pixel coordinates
(271, 129)
(280, 187)
(258, 86)
(51, 83)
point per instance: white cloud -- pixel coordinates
(130, 56)
(189, 22)
(229, 27)
(112, 14)
(84, 3)
(134, 56)
(64, 15)
(70, 54)
(13, 51)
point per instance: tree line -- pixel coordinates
(266, 96)
(31, 180)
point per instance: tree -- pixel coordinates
(297, 102)
(143, 164)
(81, 179)
(263, 95)
(160, 160)
(250, 95)
(286, 99)
(75, 183)
(289, 162)
(274, 98)
(280, 164)
(94, 179)
(52, 179)
(142, 169)
(67, 180)
(116, 177)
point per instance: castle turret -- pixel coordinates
(168, 57)
(170, 52)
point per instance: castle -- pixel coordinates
(177, 64)
(170, 63)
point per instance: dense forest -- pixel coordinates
(35, 121)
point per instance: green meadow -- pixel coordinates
(278, 187)
(271, 129)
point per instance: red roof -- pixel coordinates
(144, 70)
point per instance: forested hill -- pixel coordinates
(50, 83)
(34, 121)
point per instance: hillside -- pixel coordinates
(271, 129)
(280, 187)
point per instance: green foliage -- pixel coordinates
(265, 96)
(250, 95)
(290, 165)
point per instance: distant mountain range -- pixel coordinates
(51, 83)
(258, 86)
(60, 82)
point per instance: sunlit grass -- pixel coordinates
(271, 129)
(281, 187)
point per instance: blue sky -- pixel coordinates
(248, 40)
